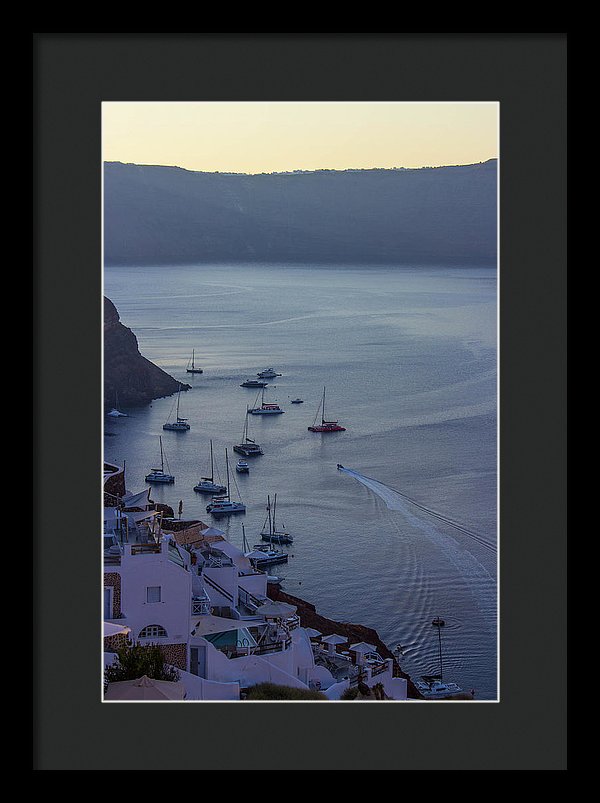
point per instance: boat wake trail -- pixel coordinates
(395, 500)
(477, 580)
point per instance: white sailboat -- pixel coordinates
(271, 533)
(433, 687)
(222, 505)
(262, 556)
(191, 366)
(159, 474)
(115, 412)
(180, 424)
(207, 485)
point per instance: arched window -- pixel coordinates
(153, 631)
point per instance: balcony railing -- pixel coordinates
(259, 649)
(200, 606)
(145, 549)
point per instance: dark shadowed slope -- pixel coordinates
(135, 379)
(440, 216)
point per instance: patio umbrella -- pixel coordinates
(276, 610)
(111, 629)
(212, 531)
(312, 633)
(145, 688)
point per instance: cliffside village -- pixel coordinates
(182, 586)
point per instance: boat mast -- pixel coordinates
(246, 438)
(178, 395)
(439, 627)
(323, 411)
(227, 466)
(274, 506)
(193, 366)
(162, 460)
(212, 474)
(270, 519)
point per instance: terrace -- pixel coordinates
(360, 661)
(237, 638)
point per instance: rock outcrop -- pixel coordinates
(127, 374)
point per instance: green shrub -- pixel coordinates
(135, 660)
(272, 691)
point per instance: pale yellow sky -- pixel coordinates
(257, 137)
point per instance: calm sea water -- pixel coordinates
(409, 360)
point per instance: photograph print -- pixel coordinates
(300, 402)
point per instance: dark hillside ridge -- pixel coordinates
(431, 216)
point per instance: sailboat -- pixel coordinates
(262, 556)
(247, 447)
(159, 474)
(324, 426)
(272, 534)
(191, 367)
(207, 485)
(222, 505)
(180, 424)
(432, 687)
(115, 412)
(265, 409)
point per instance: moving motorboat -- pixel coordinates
(242, 467)
(297, 401)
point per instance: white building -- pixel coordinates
(207, 608)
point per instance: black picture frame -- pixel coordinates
(72, 74)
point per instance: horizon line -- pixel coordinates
(296, 171)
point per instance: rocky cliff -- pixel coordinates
(127, 373)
